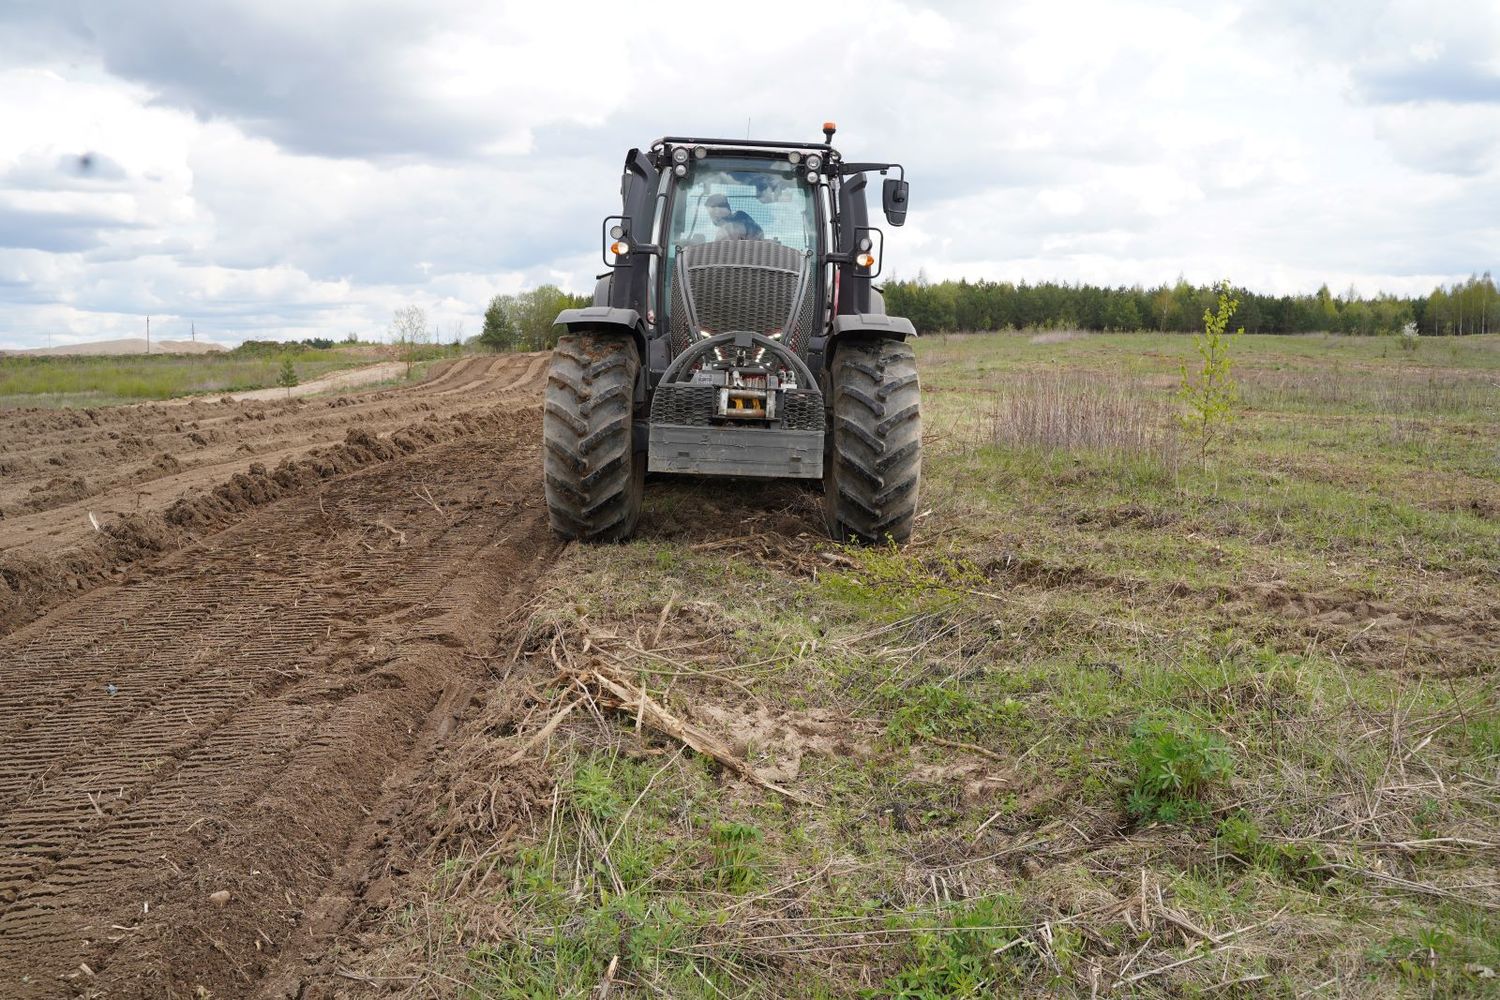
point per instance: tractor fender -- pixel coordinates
(877, 324)
(598, 317)
(854, 328)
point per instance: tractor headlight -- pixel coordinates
(700, 151)
(680, 170)
(615, 232)
(865, 260)
(794, 157)
(680, 155)
(814, 161)
(619, 248)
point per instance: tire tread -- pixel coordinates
(872, 476)
(591, 476)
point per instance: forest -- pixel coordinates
(1468, 307)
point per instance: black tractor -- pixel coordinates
(738, 333)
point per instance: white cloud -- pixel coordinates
(278, 169)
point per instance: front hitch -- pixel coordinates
(737, 404)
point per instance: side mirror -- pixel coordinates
(893, 199)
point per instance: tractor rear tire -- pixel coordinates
(873, 470)
(593, 478)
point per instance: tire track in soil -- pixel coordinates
(53, 552)
(56, 466)
(53, 458)
(271, 682)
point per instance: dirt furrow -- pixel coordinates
(92, 453)
(78, 545)
(194, 752)
(472, 370)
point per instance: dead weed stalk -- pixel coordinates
(1070, 411)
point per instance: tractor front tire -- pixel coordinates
(593, 478)
(873, 469)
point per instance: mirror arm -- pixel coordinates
(845, 169)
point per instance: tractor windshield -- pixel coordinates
(736, 198)
(745, 198)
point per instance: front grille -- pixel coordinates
(758, 286)
(803, 409)
(684, 403)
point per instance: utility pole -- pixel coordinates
(148, 333)
(195, 332)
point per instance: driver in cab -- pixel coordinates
(732, 225)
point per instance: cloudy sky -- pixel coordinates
(275, 169)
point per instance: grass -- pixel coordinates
(104, 381)
(1118, 722)
(1066, 411)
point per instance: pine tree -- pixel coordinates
(288, 377)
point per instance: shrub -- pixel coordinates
(267, 348)
(1211, 394)
(936, 711)
(961, 960)
(1176, 765)
(595, 792)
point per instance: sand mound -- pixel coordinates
(130, 345)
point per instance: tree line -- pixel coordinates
(1471, 306)
(523, 321)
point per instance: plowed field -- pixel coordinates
(226, 631)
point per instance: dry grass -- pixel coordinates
(1419, 392)
(1077, 412)
(623, 885)
(1058, 336)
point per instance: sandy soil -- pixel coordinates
(130, 345)
(230, 635)
(349, 378)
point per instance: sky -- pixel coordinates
(280, 170)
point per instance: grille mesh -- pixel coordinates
(755, 285)
(803, 410)
(684, 403)
(683, 333)
(807, 315)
